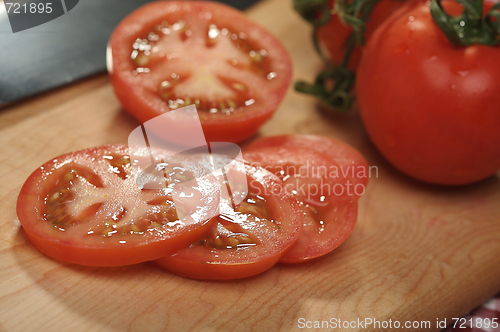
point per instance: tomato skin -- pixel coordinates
(112, 256)
(333, 36)
(205, 262)
(430, 108)
(145, 104)
(79, 248)
(184, 264)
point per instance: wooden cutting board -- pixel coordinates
(418, 252)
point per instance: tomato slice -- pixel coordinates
(87, 208)
(170, 54)
(249, 237)
(327, 195)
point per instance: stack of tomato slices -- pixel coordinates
(101, 207)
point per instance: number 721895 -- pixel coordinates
(25, 8)
(476, 322)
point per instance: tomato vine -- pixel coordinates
(334, 85)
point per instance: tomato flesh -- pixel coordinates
(214, 87)
(86, 208)
(328, 199)
(171, 54)
(248, 238)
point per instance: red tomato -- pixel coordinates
(170, 54)
(431, 108)
(333, 37)
(328, 198)
(86, 208)
(249, 238)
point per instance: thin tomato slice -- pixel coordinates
(327, 198)
(170, 54)
(87, 207)
(249, 237)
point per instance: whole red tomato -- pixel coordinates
(333, 37)
(431, 108)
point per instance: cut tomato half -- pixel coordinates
(170, 54)
(327, 196)
(248, 237)
(89, 208)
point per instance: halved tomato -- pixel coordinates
(170, 54)
(89, 207)
(325, 189)
(249, 236)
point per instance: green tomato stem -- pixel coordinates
(470, 27)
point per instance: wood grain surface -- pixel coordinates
(418, 252)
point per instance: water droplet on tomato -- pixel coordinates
(153, 37)
(134, 54)
(271, 75)
(141, 70)
(179, 26)
(213, 32)
(165, 85)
